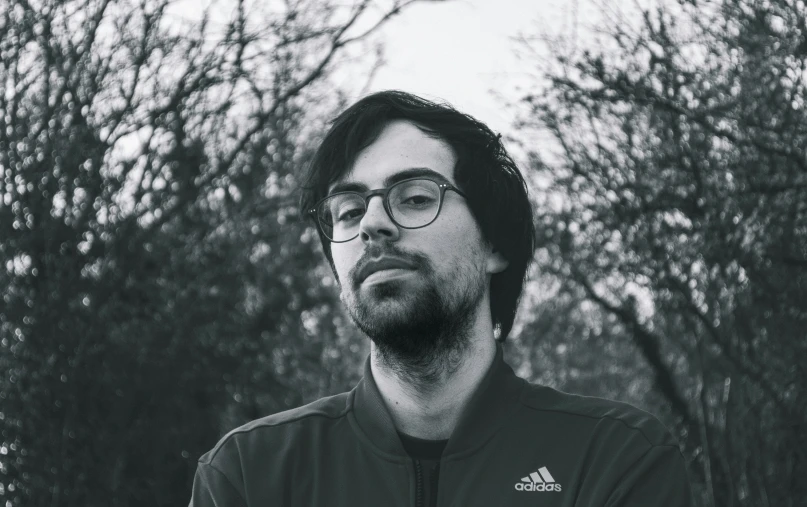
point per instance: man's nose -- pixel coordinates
(376, 224)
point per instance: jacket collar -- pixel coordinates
(491, 406)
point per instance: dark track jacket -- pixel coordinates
(516, 444)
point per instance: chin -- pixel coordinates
(384, 290)
(390, 308)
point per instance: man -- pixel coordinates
(428, 228)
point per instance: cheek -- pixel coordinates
(463, 232)
(454, 247)
(343, 260)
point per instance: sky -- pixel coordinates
(465, 52)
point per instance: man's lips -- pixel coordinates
(382, 264)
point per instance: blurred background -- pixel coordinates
(160, 288)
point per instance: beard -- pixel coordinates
(422, 328)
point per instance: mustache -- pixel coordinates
(376, 251)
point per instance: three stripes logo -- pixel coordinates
(541, 480)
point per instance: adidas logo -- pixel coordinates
(541, 480)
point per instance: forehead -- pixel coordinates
(401, 150)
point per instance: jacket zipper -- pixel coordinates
(435, 475)
(418, 485)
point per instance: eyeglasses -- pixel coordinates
(411, 204)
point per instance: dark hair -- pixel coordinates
(496, 191)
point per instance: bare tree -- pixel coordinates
(155, 273)
(683, 183)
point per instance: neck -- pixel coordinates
(432, 413)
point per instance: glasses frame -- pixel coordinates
(384, 193)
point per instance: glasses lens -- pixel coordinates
(415, 203)
(340, 216)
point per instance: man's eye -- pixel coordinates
(418, 200)
(349, 214)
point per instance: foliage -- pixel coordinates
(674, 233)
(155, 273)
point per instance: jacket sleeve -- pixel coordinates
(211, 488)
(658, 477)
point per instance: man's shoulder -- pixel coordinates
(592, 412)
(278, 428)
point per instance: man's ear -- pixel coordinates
(496, 263)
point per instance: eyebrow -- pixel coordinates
(411, 172)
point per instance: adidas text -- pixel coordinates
(537, 487)
(541, 480)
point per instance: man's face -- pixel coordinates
(425, 308)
